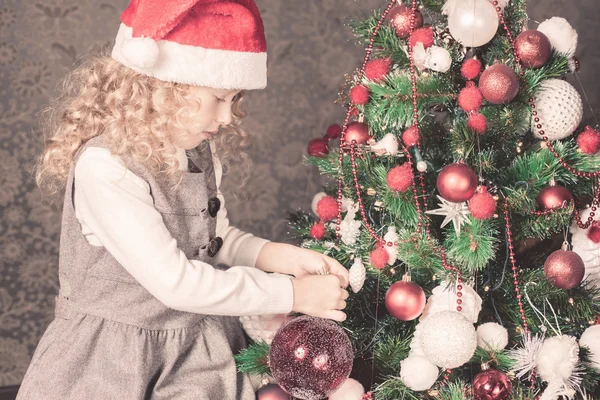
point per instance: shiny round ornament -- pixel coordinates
(499, 84)
(491, 385)
(553, 197)
(473, 23)
(358, 131)
(399, 19)
(564, 269)
(560, 109)
(272, 392)
(310, 357)
(405, 300)
(457, 182)
(534, 48)
(418, 373)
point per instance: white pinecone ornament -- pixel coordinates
(262, 328)
(560, 109)
(586, 243)
(358, 274)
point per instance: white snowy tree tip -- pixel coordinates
(418, 373)
(492, 336)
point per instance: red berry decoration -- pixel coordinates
(423, 35)
(470, 99)
(491, 385)
(499, 84)
(589, 140)
(482, 205)
(477, 123)
(318, 231)
(410, 137)
(405, 301)
(553, 197)
(272, 392)
(471, 68)
(457, 182)
(334, 131)
(399, 18)
(360, 95)
(376, 70)
(318, 148)
(400, 178)
(564, 269)
(379, 258)
(358, 131)
(327, 208)
(533, 48)
(593, 232)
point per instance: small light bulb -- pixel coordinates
(422, 166)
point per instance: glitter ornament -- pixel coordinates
(492, 336)
(410, 137)
(561, 34)
(448, 339)
(316, 198)
(477, 123)
(586, 243)
(457, 182)
(379, 258)
(318, 148)
(491, 384)
(351, 389)
(387, 146)
(482, 205)
(327, 208)
(589, 140)
(400, 178)
(334, 131)
(422, 35)
(499, 84)
(262, 328)
(591, 339)
(559, 109)
(357, 275)
(470, 99)
(358, 131)
(418, 373)
(405, 300)
(360, 94)
(272, 392)
(564, 269)
(534, 48)
(553, 196)
(471, 68)
(377, 69)
(472, 23)
(443, 298)
(318, 231)
(310, 357)
(399, 18)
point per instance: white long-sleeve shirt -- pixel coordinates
(114, 205)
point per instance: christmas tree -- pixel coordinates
(463, 201)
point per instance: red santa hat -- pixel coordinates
(214, 43)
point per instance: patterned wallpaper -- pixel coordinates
(310, 49)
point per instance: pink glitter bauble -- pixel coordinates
(310, 357)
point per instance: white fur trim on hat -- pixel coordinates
(174, 62)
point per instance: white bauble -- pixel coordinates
(357, 275)
(557, 359)
(492, 336)
(561, 34)
(350, 389)
(448, 339)
(315, 201)
(559, 108)
(591, 339)
(587, 249)
(472, 23)
(418, 373)
(262, 328)
(443, 298)
(439, 59)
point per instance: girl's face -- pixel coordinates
(215, 112)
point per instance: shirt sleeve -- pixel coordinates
(116, 206)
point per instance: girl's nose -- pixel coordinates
(225, 116)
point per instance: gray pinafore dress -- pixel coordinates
(111, 339)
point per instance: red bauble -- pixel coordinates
(360, 95)
(380, 258)
(377, 69)
(477, 123)
(499, 84)
(553, 196)
(423, 35)
(533, 48)
(593, 232)
(471, 68)
(457, 182)
(564, 269)
(327, 208)
(470, 99)
(318, 148)
(272, 392)
(491, 385)
(410, 137)
(400, 178)
(358, 131)
(589, 140)
(405, 300)
(318, 231)
(334, 131)
(310, 357)
(399, 18)
(482, 205)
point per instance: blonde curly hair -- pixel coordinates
(136, 114)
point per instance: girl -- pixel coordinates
(147, 299)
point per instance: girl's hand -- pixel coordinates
(320, 296)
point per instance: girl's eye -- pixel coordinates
(220, 100)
